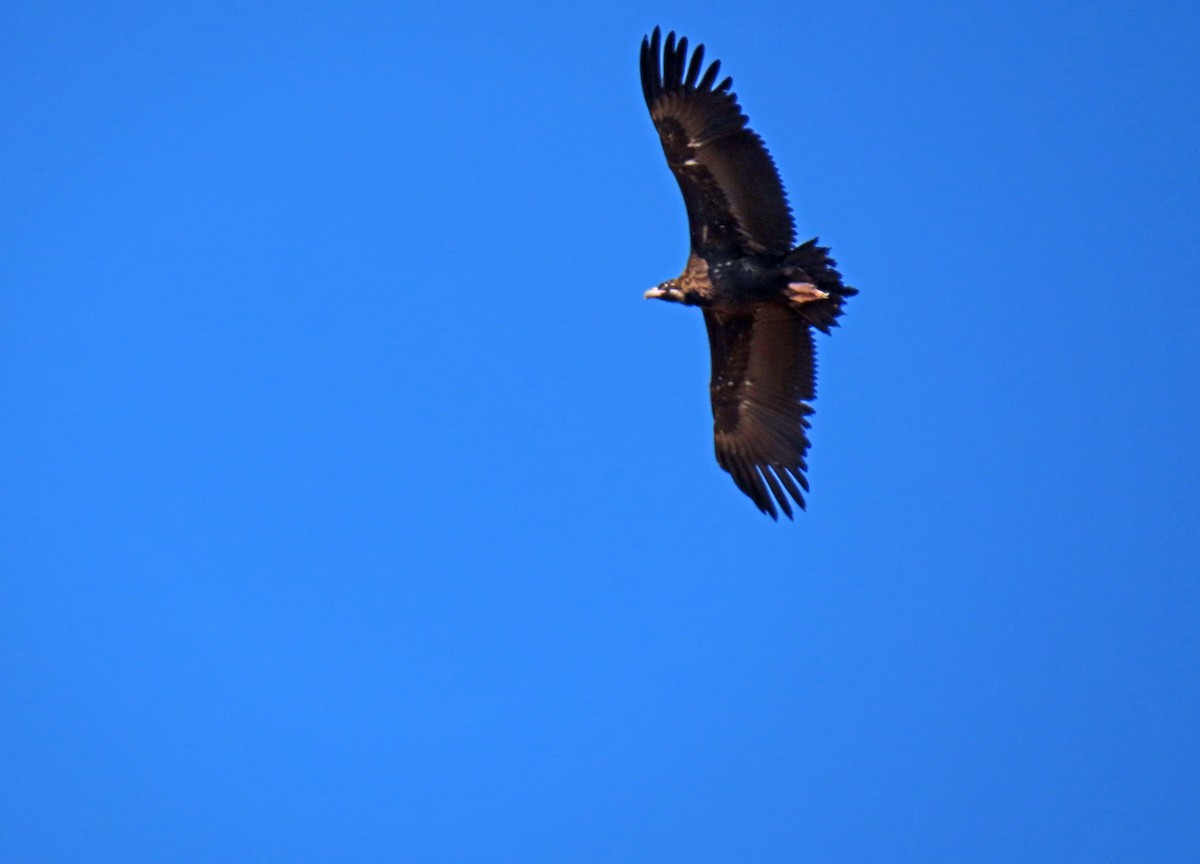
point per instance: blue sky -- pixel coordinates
(356, 506)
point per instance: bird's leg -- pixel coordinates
(805, 292)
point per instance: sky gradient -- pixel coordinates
(357, 507)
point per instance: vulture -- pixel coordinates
(761, 295)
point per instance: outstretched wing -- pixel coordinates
(763, 373)
(732, 190)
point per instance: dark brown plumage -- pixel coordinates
(760, 296)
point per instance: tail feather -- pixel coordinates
(821, 270)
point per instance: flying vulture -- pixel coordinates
(760, 296)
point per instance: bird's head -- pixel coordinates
(668, 290)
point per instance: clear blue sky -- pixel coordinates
(356, 507)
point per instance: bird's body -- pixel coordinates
(760, 295)
(737, 281)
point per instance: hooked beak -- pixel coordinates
(654, 294)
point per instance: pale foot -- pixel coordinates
(805, 292)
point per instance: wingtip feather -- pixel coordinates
(776, 489)
(666, 65)
(695, 66)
